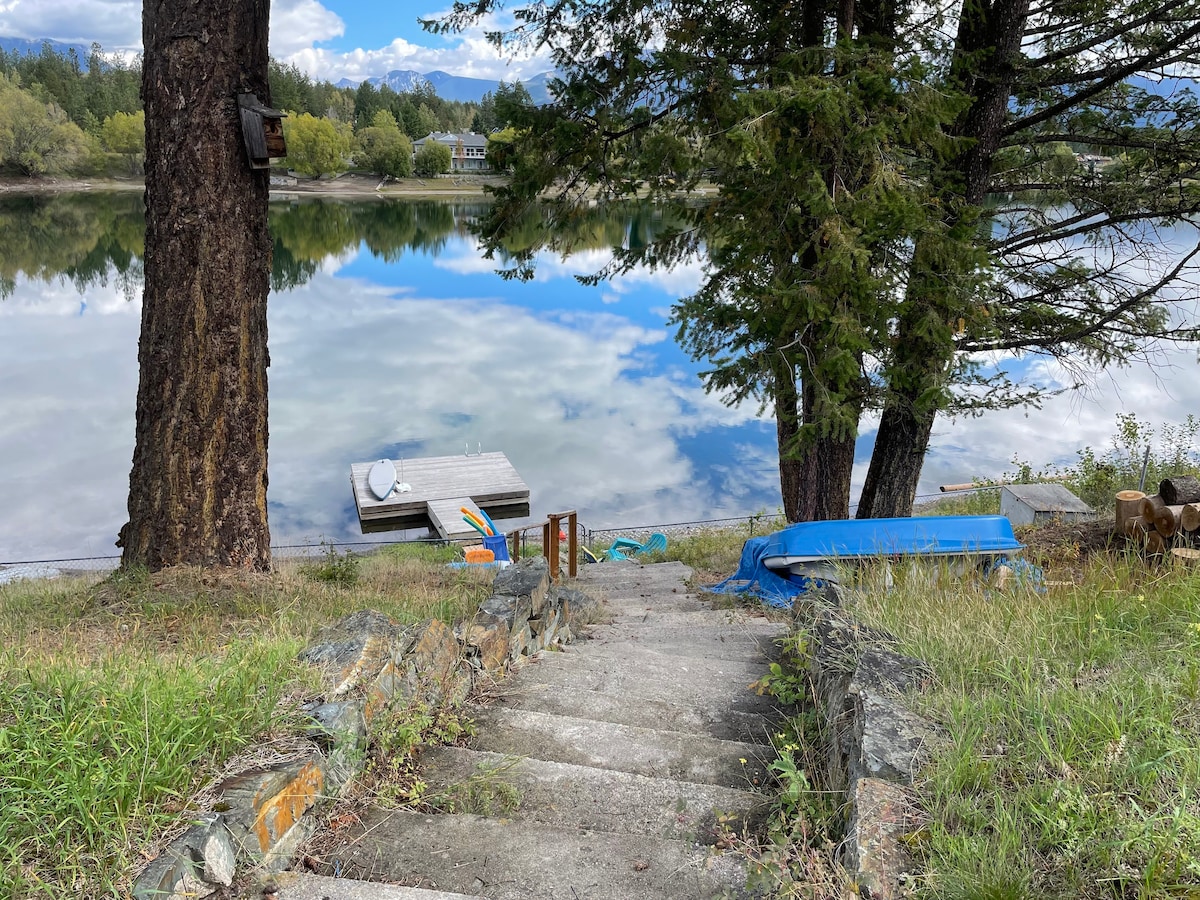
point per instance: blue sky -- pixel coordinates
(330, 40)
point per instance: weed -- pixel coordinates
(795, 857)
(1096, 477)
(1073, 748)
(336, 568)
(395, 738)
(123, 698)
(485, 793)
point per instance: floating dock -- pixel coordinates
(439, 487)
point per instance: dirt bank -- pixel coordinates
(347, 185)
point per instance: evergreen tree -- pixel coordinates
(888, 201)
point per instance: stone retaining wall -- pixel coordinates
(875, 744)
(367, 661)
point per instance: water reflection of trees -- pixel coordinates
(90, 239)
(93, 239)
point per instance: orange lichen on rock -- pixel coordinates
(279, 812)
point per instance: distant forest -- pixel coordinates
(62, 114)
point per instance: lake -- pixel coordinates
(390, 336)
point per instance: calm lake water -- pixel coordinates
(390, 336)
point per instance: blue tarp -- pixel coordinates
(755, 579)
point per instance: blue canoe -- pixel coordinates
(810, 548)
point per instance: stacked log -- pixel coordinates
(1162, 523)
(1166, 520)
(1179, 490)
(1129, 505)
(1189, 518)
(1150, 506)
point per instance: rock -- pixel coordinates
(510, 609)
(892, 741)
(488, 644)
(219, 855)
(266, 806)
(338, 722)
(350, 652)
(873, 852)
(574, 603)
(885, 671)
(529, 578)
(435, 664)
(195, 865)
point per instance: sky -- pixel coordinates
(331, 40)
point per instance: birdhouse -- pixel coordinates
(262, 131)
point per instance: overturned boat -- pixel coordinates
(815, 549)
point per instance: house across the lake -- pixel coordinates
(468, 150)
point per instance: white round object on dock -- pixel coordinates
(382, 478)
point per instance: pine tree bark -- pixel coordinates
(198, 486)
(814, 471)
(924, 349)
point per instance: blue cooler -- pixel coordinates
(498, 544)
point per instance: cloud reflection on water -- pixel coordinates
(583, 389)
(577, 399)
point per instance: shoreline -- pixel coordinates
(344, 185)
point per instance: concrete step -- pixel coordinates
(711, 718)
(296, 886)
(713, 693)
(509, 860)
(620, 748)
(703, 614)
(700, 642)
(610, 572)
(570, 796)
(659, 671)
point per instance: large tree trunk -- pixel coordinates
(198, 488)
(900, 444)
(814, 470)
(924, 344)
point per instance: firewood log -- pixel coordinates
(1136, 528)
(1129, 504)
(1156, 544)
(1150, 506)
(1166, 520)
(1189, 519)
(1179, 489)
(1188, 555)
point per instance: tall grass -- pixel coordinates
(120, 700)
(1072, 763)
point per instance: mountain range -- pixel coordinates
(21, 45)
(450, 87)
(445, 85)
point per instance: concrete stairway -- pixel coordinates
(623, 750)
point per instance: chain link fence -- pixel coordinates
(760, 523)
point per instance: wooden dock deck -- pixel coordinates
(440, 486)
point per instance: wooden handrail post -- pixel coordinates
(572, 544)
(550, 545)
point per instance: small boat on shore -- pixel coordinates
(814, 549)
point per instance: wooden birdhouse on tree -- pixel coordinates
(262, 131)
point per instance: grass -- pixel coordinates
(123, 700)
(1071, 767)
(1073, 717)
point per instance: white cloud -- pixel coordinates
(297, 24)
(468, 54)
(298, 27)
(116, 24)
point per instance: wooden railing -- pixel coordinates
(550, 543)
